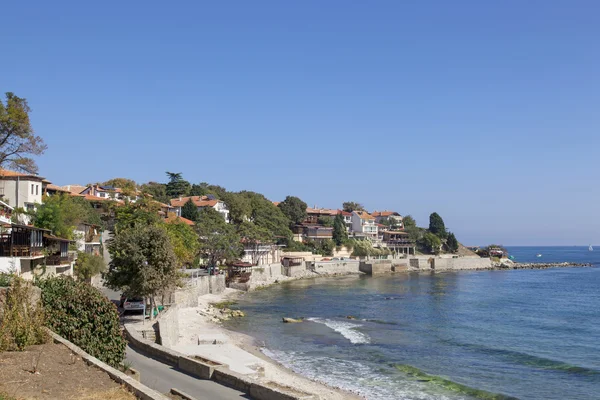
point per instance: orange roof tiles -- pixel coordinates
(199, 201)
(364, 215)
(173, 219)
(10, 174)
(384, 213)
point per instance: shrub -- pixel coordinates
(83, 315)
(21, 318)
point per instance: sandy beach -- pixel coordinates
(200, 333)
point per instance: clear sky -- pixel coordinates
(486, 112)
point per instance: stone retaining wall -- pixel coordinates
(168, 326)
(196, 287)
(461, 263)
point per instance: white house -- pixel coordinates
(364, 223)
(21, 190)
(392, 216)
(201, 202)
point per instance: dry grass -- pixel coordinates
(119, 393)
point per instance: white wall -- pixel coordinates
(25, 195)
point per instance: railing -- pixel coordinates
(58, 260)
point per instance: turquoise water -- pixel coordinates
(527, 334)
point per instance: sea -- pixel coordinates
(509, 334)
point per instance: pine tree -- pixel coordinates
(189, 210)
(339, 230)
(436, 226)
(452, 243)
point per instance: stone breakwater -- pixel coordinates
(542, 265)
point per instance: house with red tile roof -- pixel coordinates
(174, 219)
(391, 216)
(364, 223)
(201, 202)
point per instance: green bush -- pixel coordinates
(81, 314)
(22, 318)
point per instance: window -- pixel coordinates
(30, 206)
(37, 188)
(32, 185)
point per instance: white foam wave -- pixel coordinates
(346, 329)
(353, 376)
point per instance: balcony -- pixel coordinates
(57, 259)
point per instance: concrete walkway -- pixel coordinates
(162, 378)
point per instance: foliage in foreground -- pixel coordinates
(22, 321)
(83, 315)
(89, 265)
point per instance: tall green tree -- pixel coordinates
(350, 206)
(177, 186)
(408, 222)
(18, 141)
(184, 241)
(158, 191)
(294, 209)
(452, 243)
(431, 242)
(88, 265)
(239, 205)
(62, 213)
(143, 212)
(143, 262)
(436, 226)
(255, 239)
(340, 235)
(189, 210)
(218, 240)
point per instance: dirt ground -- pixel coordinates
(60, 374)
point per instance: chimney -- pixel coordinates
(180, 198)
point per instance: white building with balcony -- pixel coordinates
(364, 223)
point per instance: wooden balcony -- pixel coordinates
(57, 259)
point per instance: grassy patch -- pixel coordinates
(224, 304)
(6, 397)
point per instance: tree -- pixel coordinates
(184, 241)
(17, 139)
(452, 243)
(218, 240)
(325, 221)
(128, 186)
(294, 209)
(88, 266)
(350, 206)
(256, 240)
(431, 242)
(177, 186)
(340, 236)
(62, 213)
(189, 210)
(326, 247)
(143, 212)
(391, 223)
(143, 262)
(436, 226)
(239, 205)
(158, 191)
(408, 221)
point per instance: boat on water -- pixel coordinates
(591, 248)
(538, 255)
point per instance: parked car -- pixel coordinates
(133, 304)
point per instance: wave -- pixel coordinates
(456, 387)
(378, 321)
(346, 329)
(529, 360)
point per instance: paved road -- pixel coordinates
(162, 378)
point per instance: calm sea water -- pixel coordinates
(527, 334)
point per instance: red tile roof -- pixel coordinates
(4, 173)
(199, 201)
(364, 215)
(174, 219)
(384, 213)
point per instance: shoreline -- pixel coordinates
(242, 349)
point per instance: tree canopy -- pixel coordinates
(294, 209)
(143, 212)
(340, 236)
(184, 241)
(18, 141)
(143, 262)
(350, 206)
(128, 186)
(452, 243)
(408, 221)
(189, 210)
(62, 213)
(431, 242)
(218, 240)
(88, 266)
(436, 226)
(158, 191)
(177, 186)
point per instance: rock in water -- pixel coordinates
(291, 320)
(350, 317)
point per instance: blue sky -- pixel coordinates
(486, 112)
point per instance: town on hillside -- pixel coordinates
(45, 226)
